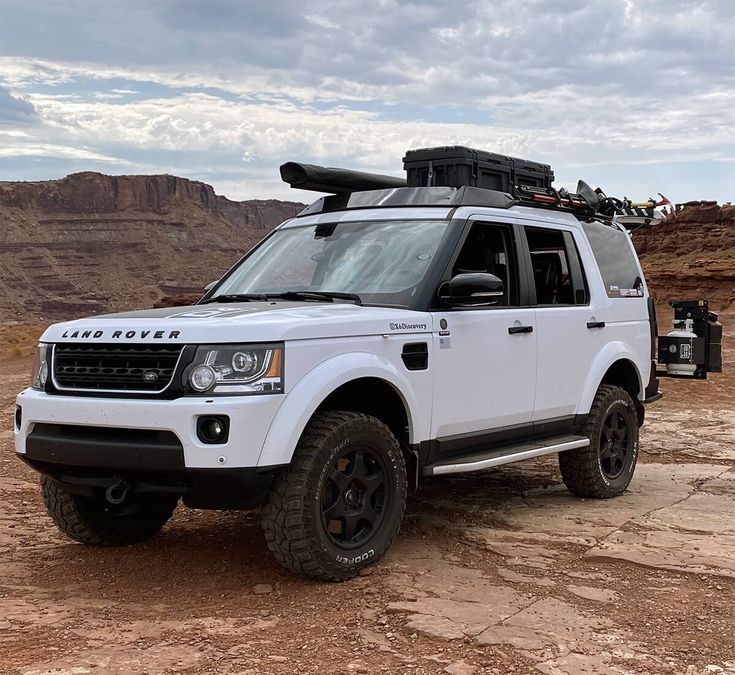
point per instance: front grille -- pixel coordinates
(139, 368)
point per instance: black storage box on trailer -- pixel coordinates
(457, 166)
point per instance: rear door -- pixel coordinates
(570, 332)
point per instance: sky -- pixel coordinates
(636, 96)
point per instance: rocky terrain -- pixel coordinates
(90, 243)
(496, 572)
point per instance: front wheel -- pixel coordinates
(93, 520)
(340, 504)
(605, 467)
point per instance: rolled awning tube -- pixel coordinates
(325, 179)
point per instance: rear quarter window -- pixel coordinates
(616, 259)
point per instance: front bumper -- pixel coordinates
(250, 419)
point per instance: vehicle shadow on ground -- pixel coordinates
(211, 553)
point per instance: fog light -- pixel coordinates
(213, 430)
(18, 417)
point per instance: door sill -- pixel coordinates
(508, 454)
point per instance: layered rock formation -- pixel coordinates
(691, 255)
(91, 243)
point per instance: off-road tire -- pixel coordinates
(294, 516)
(94, 521)
(582, 469)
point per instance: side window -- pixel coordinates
(489, 248)
(557, 270)
(616, 260)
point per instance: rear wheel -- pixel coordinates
(93, 520)
(605, 467)
(340, 504)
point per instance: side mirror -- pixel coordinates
(210, 286)
(475, 288)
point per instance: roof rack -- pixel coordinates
(410, 196)
(585, 201)
(358, 190)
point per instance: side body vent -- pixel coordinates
(415, 355)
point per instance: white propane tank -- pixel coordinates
(687, 332)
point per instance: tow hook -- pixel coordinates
(117, 493)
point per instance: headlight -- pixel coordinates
(39, 371)
(236, 369)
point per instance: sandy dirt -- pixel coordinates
(496, 572)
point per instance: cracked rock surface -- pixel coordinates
(496, 572)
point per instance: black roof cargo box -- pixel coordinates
(459, 166)
(530, 173)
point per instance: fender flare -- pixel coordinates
(608, 355)
(313, 388)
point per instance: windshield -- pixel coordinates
(381, 261)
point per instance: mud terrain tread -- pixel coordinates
(62, 509)
(69, 515)
(284, 525)
(580, 468)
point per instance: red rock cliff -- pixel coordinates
(90, 243)
(691, 254)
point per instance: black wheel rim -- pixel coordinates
(354, 497)
(615, 444)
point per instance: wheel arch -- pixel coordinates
(372, 396)
(624, 374)
(359, 382)
(614, 365)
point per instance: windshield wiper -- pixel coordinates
(330, 296)
(237, 297)
(316, 295)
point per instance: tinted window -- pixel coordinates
(488, 248)
(616, 260)
(557, 271)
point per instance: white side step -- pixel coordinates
(514, 453)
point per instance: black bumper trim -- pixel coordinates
(104, 448)
(218, 489)
(653, 398)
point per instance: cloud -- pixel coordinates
(15, 110)
(417, 51)
(227, 90)
(47, 150)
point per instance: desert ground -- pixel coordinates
(495, 572)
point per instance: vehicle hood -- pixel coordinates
(270, 321)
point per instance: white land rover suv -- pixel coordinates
(385, 335)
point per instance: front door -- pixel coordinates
(485, 372)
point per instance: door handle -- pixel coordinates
(514, 330)
(595, 324)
